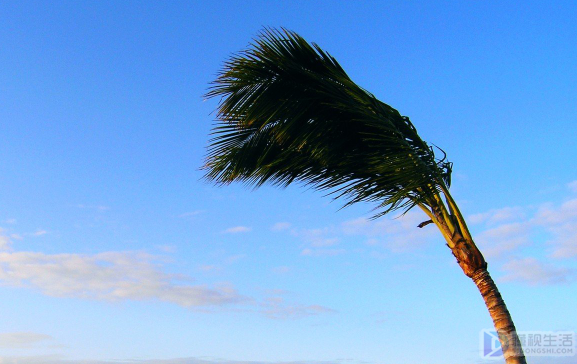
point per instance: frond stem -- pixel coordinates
(457, 213)
(440, 225)
(444, 213)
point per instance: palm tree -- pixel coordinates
(288, 112)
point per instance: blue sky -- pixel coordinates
(112, 247)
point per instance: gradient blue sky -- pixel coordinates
(113, 248)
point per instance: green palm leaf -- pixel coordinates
(289, 112)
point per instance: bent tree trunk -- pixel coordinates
(474, 266)
(512, 350)
(452, 226)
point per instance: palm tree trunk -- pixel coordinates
(510, 344)
(474, 266)
(453, 227)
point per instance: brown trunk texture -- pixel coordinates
(512, 350)
(474, 266)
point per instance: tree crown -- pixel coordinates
(289, 112)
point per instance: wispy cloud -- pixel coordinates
(58, 359)
(397, 234)
(534, 272)
(508, 229)
(209, 268)
(39, 233)
(93, 207)
(561, 222)
(107, 276)
(137, 276)
(279, 226)
(127, 275)
(322, 252)
(5, 242)
(496, 216)
(318, 237)
(504, 238)
(221, 264)
(551, 228)
(6, 238)
(17, 340)
(191, 213)
(166, 248)
(9, 221)
(550, 215)
(572, 186)
(237, 229)
(276, 308)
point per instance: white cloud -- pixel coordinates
(107, 276)
(39, 232)
(572, 186)
(58, 359)
(506, 230)
(511, 228)
(5, 242)
(209, 268)
(237, 229)
(318, 237)
(118, 276)
(561, 222)
(279, 226)
(534, 272)
(503, 238)
(357, 226)
(495, 216)
(550, 215)
(566, 242)
(12, 340)
(9, 221)
(322, 252)
(225, 261)
(191, 213)
(166, 248)
(397, 234)
(276, 308)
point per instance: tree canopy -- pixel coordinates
(289, 112)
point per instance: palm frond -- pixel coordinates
(289, 112)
